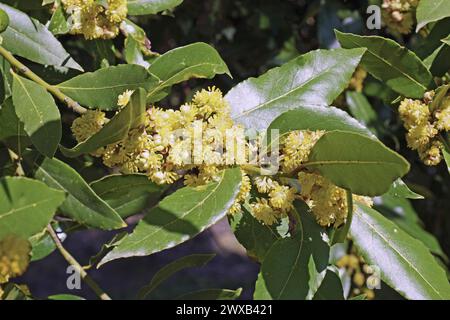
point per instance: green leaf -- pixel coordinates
(361, 108)
(430, 11)
(331, 287)
(194, 260)
(26, 206)
(42, 245)
(58, 23)
(257, 238)
(313, 79)
(212, 294)
(391, 63)
(179, 217)
(447, 158)
(65, 297)
(133, 54)
(317, 118)
(100, 89)
(438, 62)
(399, 189)
(127, 194)
(405, 263)
(28, 38)
(197, 60)
(13, 291)
(143, 7)
(37, 110)
(357, 163)
(10, 125)
(294, 267)
(401, 212)
(82, 203)
(115, 130)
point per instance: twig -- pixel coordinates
(71, 260)
(32, 76)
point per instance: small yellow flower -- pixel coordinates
(14, 257)
(282, 197)
(420, 135)
(443, 115)
(264, 184)
(359, 279)
(413, 113)
(357, 80)
(398, 15)
(88, 124)
(297, 147)
(117, 10)
(263, 211)
(124, 98)
(243, 194)
(432, 155)
(210, 102)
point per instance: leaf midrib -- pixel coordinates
(396, 251)
(199, 204)
(15, 210)
(296, 258)
(79, 201)
(41, 118)
(162, 84)
(389, 64)
(262, 105)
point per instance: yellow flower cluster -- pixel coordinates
(296, 148)
(94, 20)
(424, 126)
(362, 275)
(88, 124)
(327, 201)
(167, 148)
(14, 257)
(399, 15)
(357, 80)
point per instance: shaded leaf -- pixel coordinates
(361, 108)
(142, 7)
(127, 194)
(100, 89)
(194, 260)
(37, 110)
(399, 189)
(256, 237)
(115, 130)
(405, 263)
(65, 296)
(402, 212)
(391, 63)
(82, 203)
(197, 60)
(212, 294)
(30, 39)
(331, 287)
(294, 267)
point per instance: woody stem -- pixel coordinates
(32, 76)
(71, 260)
